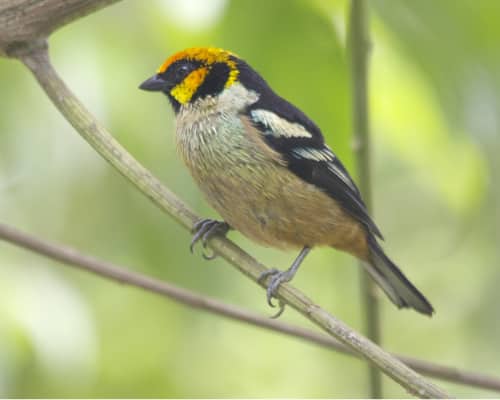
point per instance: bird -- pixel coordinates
(264, 166)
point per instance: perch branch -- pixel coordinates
(24, 27)
(122, 275)
(37, 60)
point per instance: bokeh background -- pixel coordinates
(435, 107)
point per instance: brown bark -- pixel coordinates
(28, 21)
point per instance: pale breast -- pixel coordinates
(238, 179)
(248, 184)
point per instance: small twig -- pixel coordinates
(37, 60)
(122, 275)
(359, 41)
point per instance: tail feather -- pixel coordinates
(392, 281)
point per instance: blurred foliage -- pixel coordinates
(435, 103)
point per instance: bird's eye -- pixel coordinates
(182, 71)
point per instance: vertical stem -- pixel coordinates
(359, 40)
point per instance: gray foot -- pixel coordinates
(203, 230)
(277, 278)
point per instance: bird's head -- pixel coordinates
(195, 73)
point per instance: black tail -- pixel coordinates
(399, 289)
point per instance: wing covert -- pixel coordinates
(310, 158)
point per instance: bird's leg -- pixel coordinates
(204, 229)
(278, 277)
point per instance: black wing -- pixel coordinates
(291, 133)
(311, 164)
(311, 159)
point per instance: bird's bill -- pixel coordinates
(154, 84)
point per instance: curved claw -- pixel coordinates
(263, 276)
(277, 278)
(269, 296)
(203, 230)
(199, 229)
(210, 257)
(280, 311)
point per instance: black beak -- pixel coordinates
(154, 84)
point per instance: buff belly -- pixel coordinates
(255, 193)
(278, 209)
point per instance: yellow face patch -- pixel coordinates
(185, 90)
(207, 56)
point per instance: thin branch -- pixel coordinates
(23, 21)
(37, 60)
(359, 38)
(122, 275)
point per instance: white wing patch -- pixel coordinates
(313, 154)
(326, 155)
(279, 127)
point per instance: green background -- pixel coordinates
(435, 117)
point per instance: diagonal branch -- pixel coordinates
(36, 58)
(120, 274)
